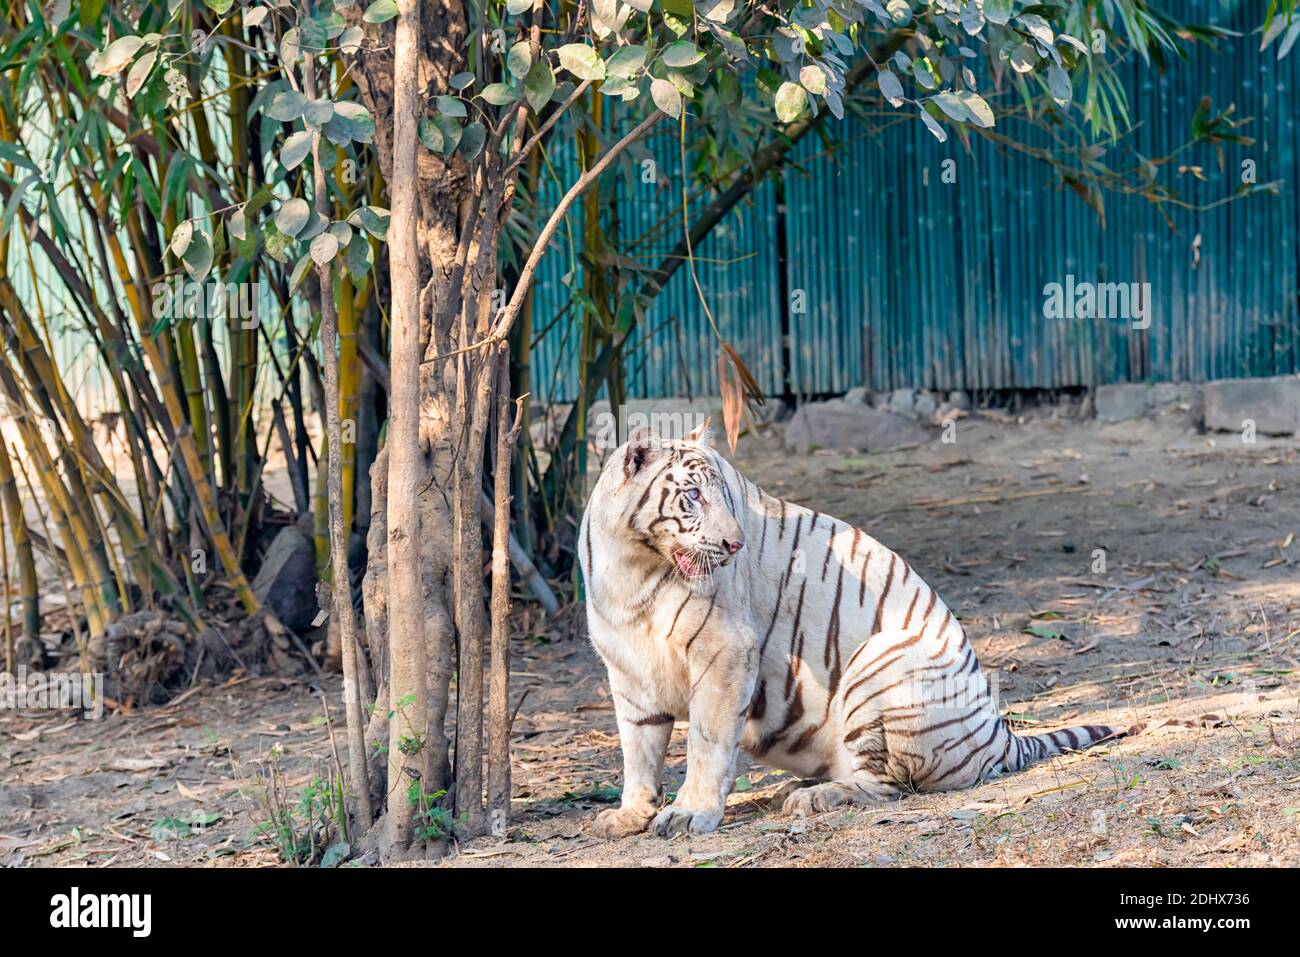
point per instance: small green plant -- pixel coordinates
(309, 829)
(433, 821)
(410, 745)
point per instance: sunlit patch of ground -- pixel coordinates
(1192, 629)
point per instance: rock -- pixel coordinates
(841, 425)
(1121, 401)
(1272, 404)
(287, 578)
(902, 401)
(1189, 394)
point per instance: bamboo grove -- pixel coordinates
(363, 373)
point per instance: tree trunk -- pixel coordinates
(498, 785)
(340, 513)
(407, 677)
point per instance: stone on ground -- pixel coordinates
(844, 425)
(287, 578)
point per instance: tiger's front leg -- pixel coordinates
(643, 736)
(723, 667)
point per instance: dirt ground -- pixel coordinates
(1190, 629)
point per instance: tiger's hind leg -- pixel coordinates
(791, 788)
(867, 780)
(817, 798)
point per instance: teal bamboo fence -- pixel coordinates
(894, 278)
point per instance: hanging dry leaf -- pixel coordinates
(740, 392)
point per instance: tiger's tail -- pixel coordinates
(1023, 751)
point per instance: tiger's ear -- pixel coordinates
(701, 434)
(641, 448)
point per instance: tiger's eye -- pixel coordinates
(693, 494)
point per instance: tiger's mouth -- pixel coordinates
(695, 563)
(688, 565)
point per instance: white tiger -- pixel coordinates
(779, 630)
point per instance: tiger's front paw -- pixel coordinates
(674, 820)
(622, 821)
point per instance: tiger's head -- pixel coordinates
(668, 495)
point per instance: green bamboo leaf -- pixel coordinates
(15, 200)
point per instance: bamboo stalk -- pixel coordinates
(16, 520)
(4, 565)
(83, 649)
(349, 392)
(320, 509)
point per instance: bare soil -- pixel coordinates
(1190, 631)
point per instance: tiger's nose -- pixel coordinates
(733, 547)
